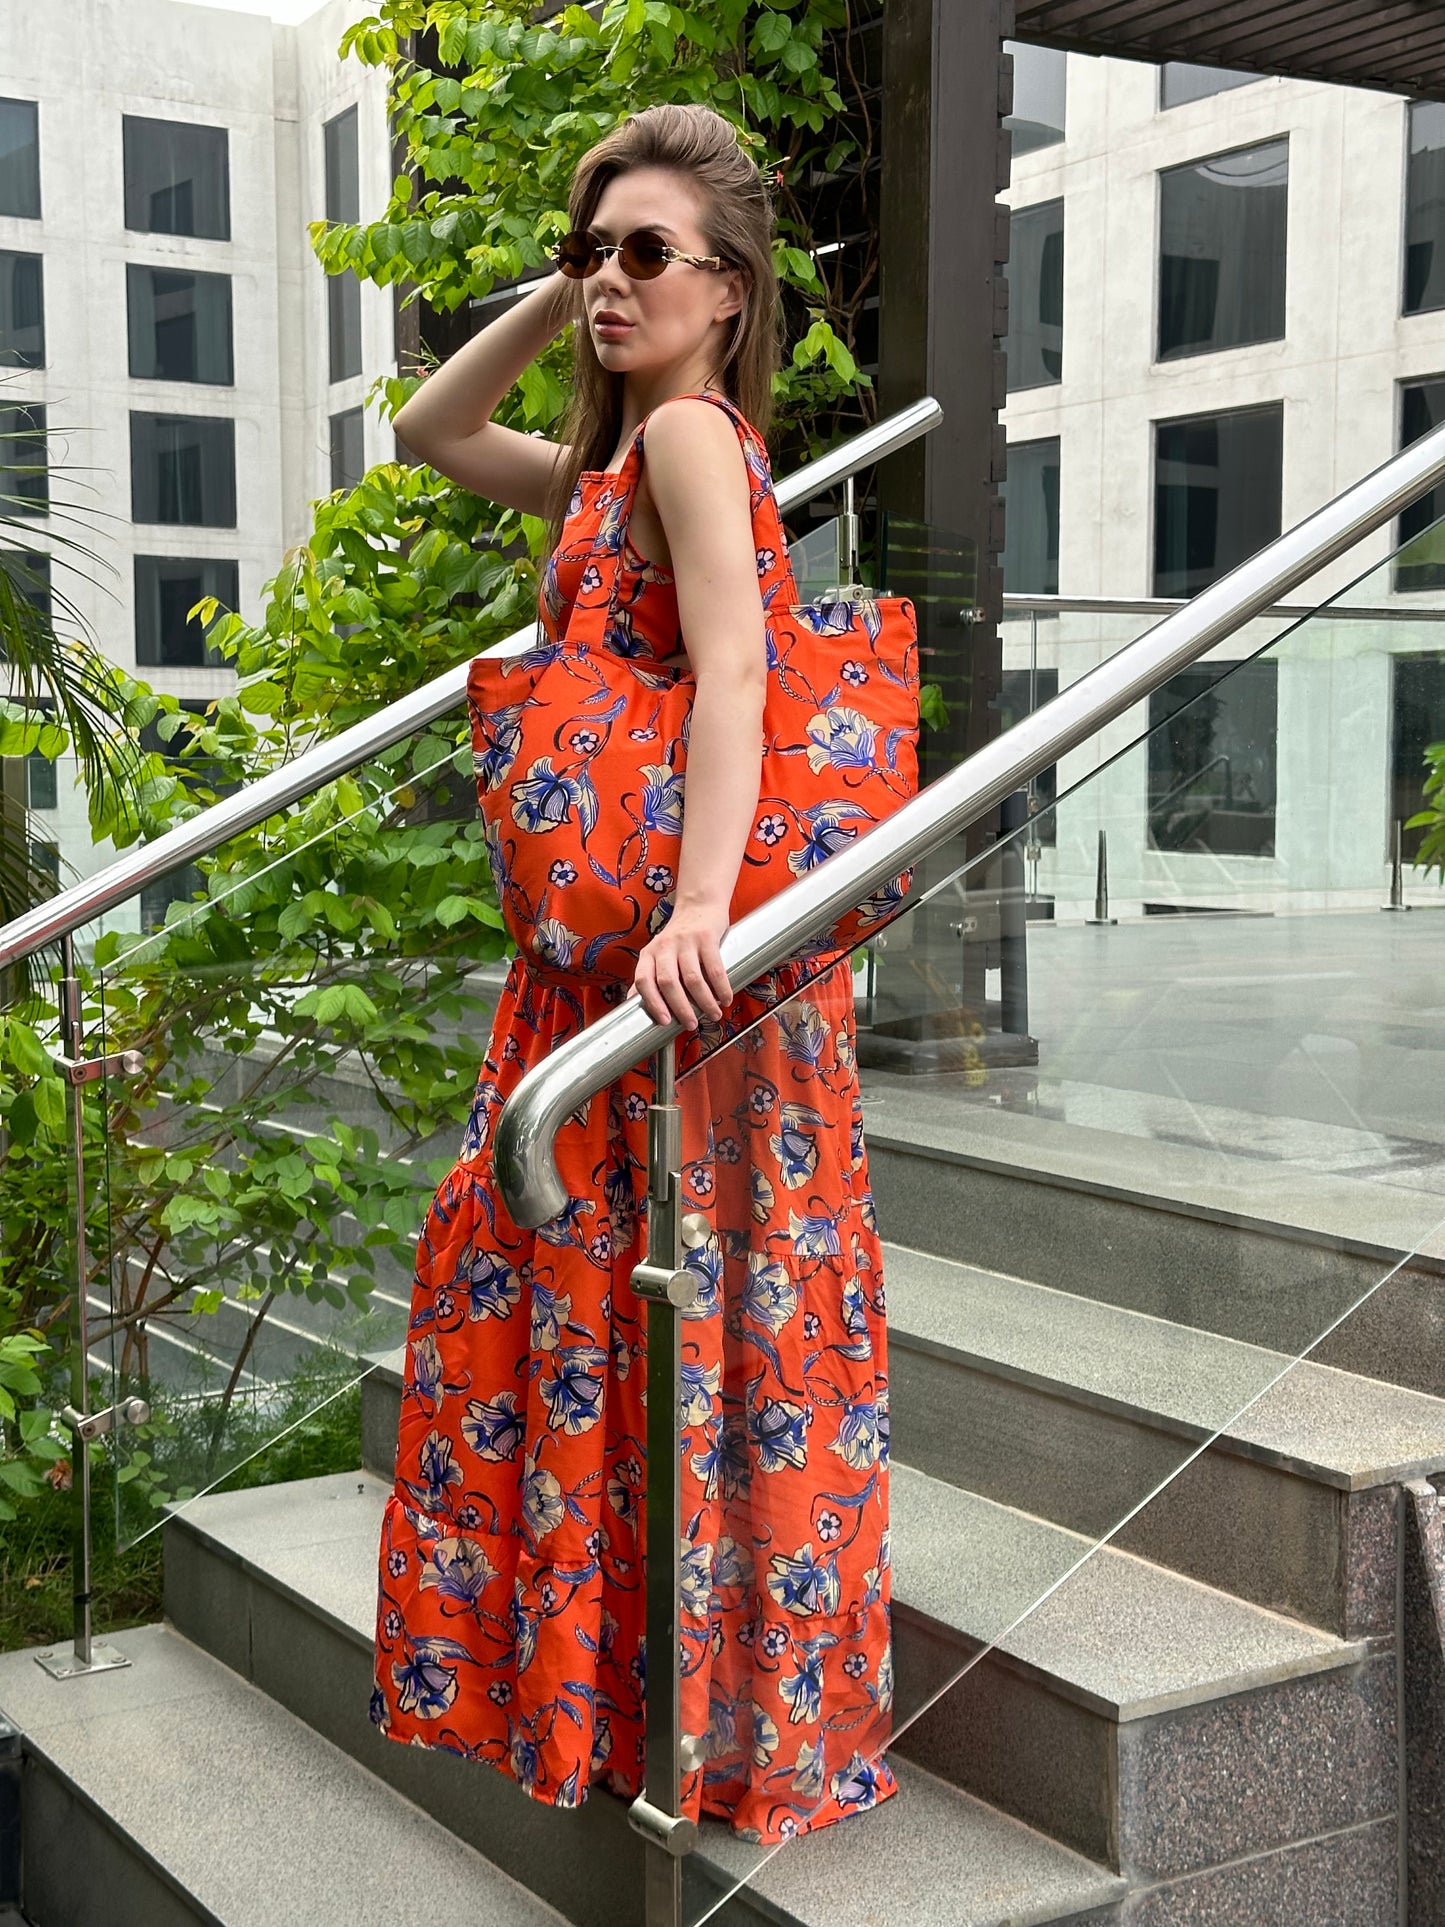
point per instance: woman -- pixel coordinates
(511, 1613)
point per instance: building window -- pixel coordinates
(183, 469)
(1217, 491)
(20, 159)
(1417, 719)
(1181, 80)
(1425, 208)
(24, 470)
(1222, 250)
(1035, 275)
(180, 325)
(1421, 564)
(156, 898)
(1031, 519)
(29, 573)
(1213, 731)
(177, 178)
(343, 203)
(1040, 84)
(22, 310)
(348, 456)
(167, 588)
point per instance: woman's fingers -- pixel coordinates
(680, 977)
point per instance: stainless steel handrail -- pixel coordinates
(759, 942)
(1017, 603)
(209, 829)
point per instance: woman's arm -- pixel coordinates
(699, 483)
(448, 421)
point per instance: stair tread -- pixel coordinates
(1337, 1426)
(966, 1864)
(1121, 1635)
(255, 1816)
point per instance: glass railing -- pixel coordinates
(1126, 1173)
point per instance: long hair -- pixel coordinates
(737, 221)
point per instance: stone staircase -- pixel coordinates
(1232, 1713)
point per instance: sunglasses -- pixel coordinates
(641, 255)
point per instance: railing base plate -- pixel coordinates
(103, 1659)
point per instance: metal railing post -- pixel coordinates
(86, 1654)
(1397, 867)
(668, 1288)
(1101, 885)
(1013, 929)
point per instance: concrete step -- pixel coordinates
(171, 1791)
(1081, 1411)
(280, 1583)
(1246, 1240)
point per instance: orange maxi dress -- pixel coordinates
(510, 1612)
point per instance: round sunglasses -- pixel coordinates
(641, 255)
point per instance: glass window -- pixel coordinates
(1216, 494)
(42, 785)
(183, 469)
(1222, 250)
(343, 314)
(177, 178)
(343, 181)
(180, 325)
(1040, 76)
(1035, 276)
(20, 159)
(29, 573)
(1031, 518)
(1421, 565)
(1417, 719)
(1213, 733)
(348, 456)
(167, 588)
(24, 471)
(156, 898)
(1425, 208)
(22, 310)
(1181, 80)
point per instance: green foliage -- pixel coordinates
(1431, 819)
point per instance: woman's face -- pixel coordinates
(680, 320)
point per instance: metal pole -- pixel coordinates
(1101, 885)
(1397, 867)
(668, 1287)
(1013, 954)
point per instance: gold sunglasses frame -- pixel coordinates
(600, 249)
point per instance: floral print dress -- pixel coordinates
(511, 1612)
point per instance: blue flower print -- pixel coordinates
(808, 1771)
(856, 1785)
(814, 1235)
(706, 1261)
(803, 1690)
(542, 1505)
(662, 798)
(573, 1395)
(805, 1035)
(763, 1197)
(841, 739)
(695, 1579)
(494, 1428)
(657, 877)
(885, 1679)
(554, 944)
(771, 829)
(778, 1429)
(795, 1145)
(855, 674)
(769, 1297)
(426, 1368)
(860, 1437)
(765, 560)
(501, 735)
(561, 873)
(439, 1471)
(523, 1627)
(698, 1392)
(544, 799)
(525, 1759)
(491, 1285)
(457, 1570)
(830, 829)
(765, 1738)
(424, 1686)
(804, 1584)
(549, 1314)
(855, 1316)
(591, 579)
(723, 1461)
(732, 1569)
(827, 618)
(624, 1490)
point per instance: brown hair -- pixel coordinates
(737, 221)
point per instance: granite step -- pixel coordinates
(172, 1791)
(1087, 1412)
(280, 1584)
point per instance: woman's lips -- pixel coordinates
(618, 328)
